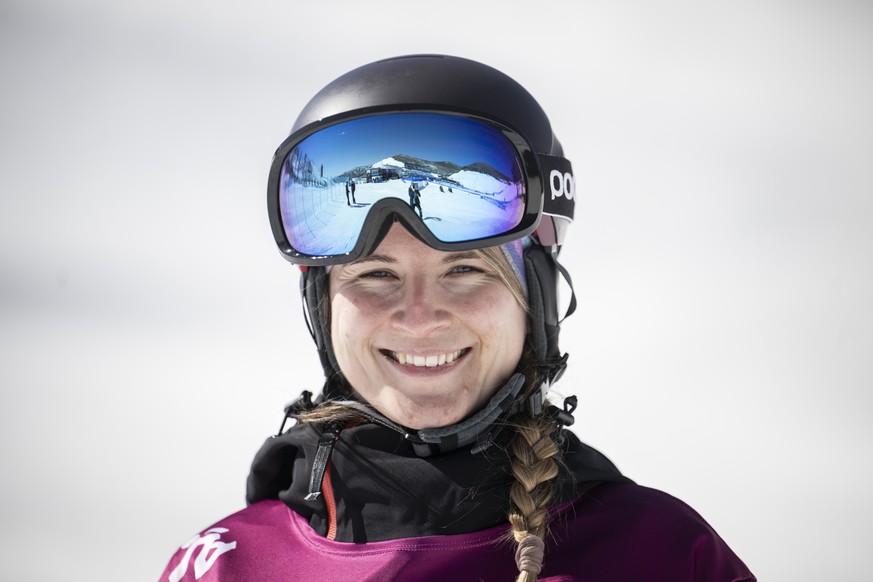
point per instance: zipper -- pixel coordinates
(320, 464)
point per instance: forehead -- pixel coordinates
(400, 246)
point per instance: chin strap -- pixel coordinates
(478, 431)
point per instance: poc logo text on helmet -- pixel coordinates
(562, 184)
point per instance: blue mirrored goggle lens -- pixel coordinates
(461, 176)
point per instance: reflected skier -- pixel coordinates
(415, 199)
(350, 184)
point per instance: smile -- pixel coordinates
(425, 361)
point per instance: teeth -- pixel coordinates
(425, 361)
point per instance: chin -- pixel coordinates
(429, 411)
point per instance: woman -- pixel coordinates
(431, 453)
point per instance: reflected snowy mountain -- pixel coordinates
(480, 177)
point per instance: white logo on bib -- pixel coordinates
(210, 549)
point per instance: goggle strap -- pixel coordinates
(559, 186)
(306, 311)
(572, 306)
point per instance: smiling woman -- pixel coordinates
(432, 448)
(425, 337)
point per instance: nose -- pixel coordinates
(421, 311)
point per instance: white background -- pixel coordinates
(150, 333)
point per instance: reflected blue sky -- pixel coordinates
(432, 137)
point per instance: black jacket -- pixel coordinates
(383, 490)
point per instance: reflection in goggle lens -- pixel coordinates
(461, 176)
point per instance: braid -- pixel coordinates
(535, 458)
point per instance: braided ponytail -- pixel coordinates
(535, 457)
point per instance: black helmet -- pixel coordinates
(439, 83)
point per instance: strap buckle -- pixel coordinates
(292, 409)
(563, 418)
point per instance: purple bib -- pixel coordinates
(615, 532)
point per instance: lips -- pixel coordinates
(429, 361)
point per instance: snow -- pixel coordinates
(331, 225)
(389, 163)
(479, 182)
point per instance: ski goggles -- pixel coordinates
(457, 182)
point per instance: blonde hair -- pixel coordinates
(535, 463)
(498, 261)
(534, 453)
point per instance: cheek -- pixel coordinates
(341, 324)
(501, 321)
(513, 332)
(498, 304)
(352, 324)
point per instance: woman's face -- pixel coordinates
(424, 336)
